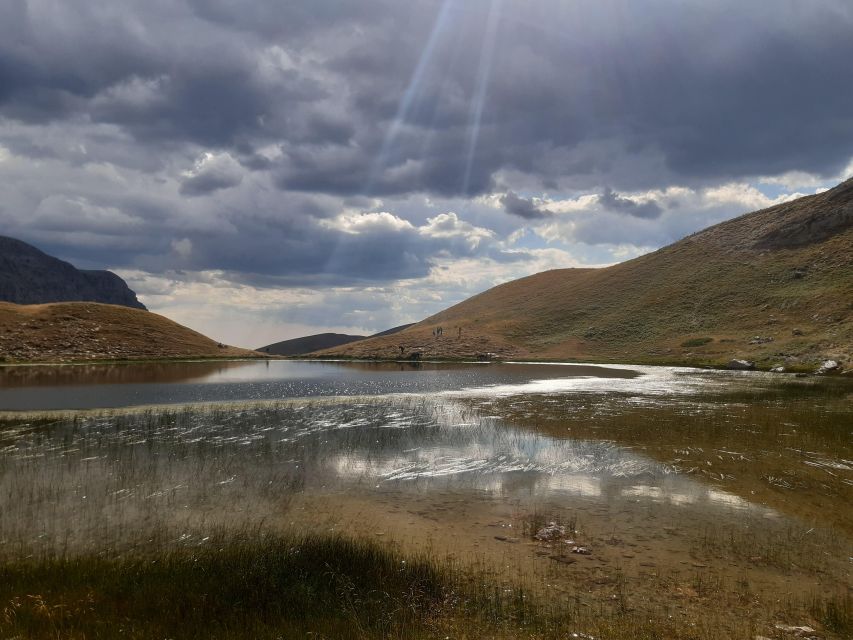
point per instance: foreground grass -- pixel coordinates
(261, 586)
(109, 528)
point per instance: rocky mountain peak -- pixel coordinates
(30, 276)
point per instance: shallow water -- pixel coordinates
(110, 386)
(659, 471)
(133, 471)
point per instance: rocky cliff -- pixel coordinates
(30, 276)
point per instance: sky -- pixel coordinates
(260, 170)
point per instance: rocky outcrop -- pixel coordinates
(30, 276)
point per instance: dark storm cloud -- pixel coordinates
(317, 104)
(716, 89)
(285, 240)
(522, 207)
(304, 253)
(212, 174)
(612, 201)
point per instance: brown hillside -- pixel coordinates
(77, 331)
(783, 275)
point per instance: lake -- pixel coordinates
(680, 485)
(124, 385)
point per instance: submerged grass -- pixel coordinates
(787, 444)
(174, 524)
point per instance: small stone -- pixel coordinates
(550, 532)
(799, 631)
(829, 366)
(741, 365)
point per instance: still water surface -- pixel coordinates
(109, 386)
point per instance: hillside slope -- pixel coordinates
(79, 331)
(30, 276)
(307, 344)
(316, 342)
(775, 286)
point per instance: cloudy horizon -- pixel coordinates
(260, 170)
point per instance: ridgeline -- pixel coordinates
(774, 286)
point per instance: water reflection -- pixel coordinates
(110, 386)
(79, 476)
(18, 377)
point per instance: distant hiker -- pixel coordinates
(433, 333)
(460, 333)
(402, 349)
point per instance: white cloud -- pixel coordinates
(448, 225)
(356, 223)
(683, 210)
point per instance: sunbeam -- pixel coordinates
(487, 51)
(409, 95)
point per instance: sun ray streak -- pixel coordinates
(484, 72)
(408, 99)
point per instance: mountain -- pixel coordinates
(79, 331)
(307, 344)
(392, 331)
(30, 276)
(774, 286)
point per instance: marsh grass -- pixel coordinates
(257, 584)
(785, 443)
(171, 523)
(835, 613)
(243, 585)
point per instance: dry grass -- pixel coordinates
(85, 331)
(764, 274)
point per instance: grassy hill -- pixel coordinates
(774, 286)
(316, 342)
(307, 344)
(79, 331)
